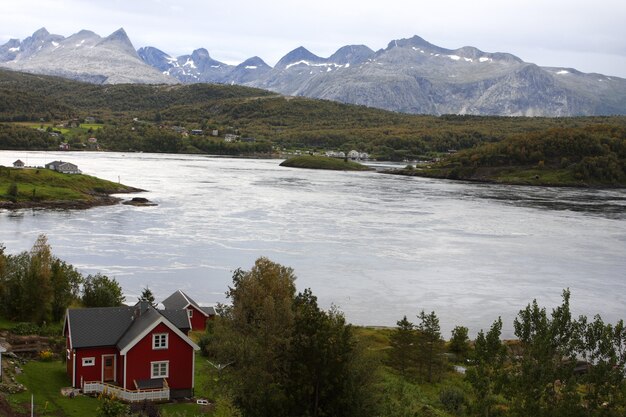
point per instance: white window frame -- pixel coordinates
(189, 312)
(160, 341)
(91, 361)
(162, 369)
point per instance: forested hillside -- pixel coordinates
(141, 117)
(590, 155)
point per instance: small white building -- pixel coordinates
(18, 164)
(63, 167)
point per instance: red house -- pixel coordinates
(135, 353)
(197, 315)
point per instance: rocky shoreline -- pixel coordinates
(97, 201)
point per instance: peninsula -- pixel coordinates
(567, 157)
(323, 162)
(46, 188)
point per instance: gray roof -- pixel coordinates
(115, 326)
(179, 318)
(180, 300)
(176, 301)
(101, 326)
(139, 325)
(208, 310)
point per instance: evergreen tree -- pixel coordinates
(403, 341)
(485, 375)
(459, 342)
(430, 346)
(147, 296)
(548, 354)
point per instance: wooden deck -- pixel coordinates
(157, 394)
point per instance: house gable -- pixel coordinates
(197, 315)
(146, 361)
(126, 345)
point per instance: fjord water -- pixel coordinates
(377, 246)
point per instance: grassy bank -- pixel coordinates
(511, 175)
(323, 162)
(44, 187)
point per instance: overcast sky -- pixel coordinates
(583, 34)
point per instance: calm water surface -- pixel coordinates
(377, 246)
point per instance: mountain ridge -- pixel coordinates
(410, 75)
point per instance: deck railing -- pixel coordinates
(97, 387)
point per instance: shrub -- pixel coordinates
(145, 409)
(205, 344)
(12, 191)
(24, 329)
(46, 355)
(111, 407)
(452, 399)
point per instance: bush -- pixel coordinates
(452, 399)
(24, 329)
(145, 409)
(111, 407)
(205, 344)
(12, 192)
(46, 355)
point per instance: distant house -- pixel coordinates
(197, 132)
(133, 352)
(92, 140)
(63, 167)
(90, 119)
(64, 146)
(353, 154)
(198, 316)
(215, 132)
(229, 137)
(248, 139)
(18, 164)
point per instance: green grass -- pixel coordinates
(6, 324)
(93, 126)
(44, 380)
(48, 185)
(182, 410)
(375, 338)
(323, 162)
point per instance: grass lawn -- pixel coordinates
(44, 380)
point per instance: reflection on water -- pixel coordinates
(378, 246)
(604, 203)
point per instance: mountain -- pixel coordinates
(415, 76)
(83, 56)
(410, 75)
(249, 71)
(198, 67)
